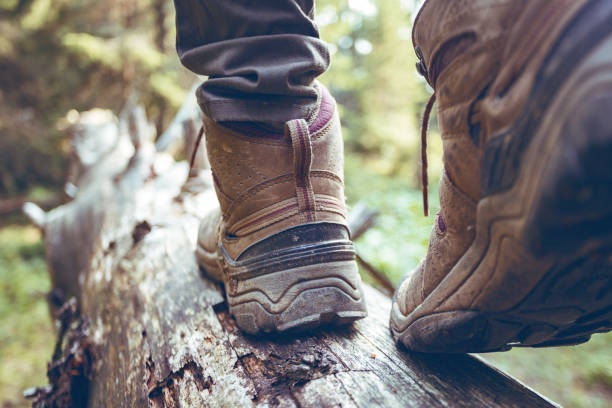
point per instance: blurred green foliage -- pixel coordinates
(373, 78)
(399, 239)
(58, 55)
(579, 376)
(27, 335)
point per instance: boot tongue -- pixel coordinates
(265, 130)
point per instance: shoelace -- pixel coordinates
(424, 176)
(196, 148)
(422, 69)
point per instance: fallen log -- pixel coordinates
(154, 332)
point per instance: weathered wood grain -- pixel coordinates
(161, 331)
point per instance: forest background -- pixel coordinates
(60, 57)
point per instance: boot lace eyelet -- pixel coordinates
(420, 65)
(230, 237)
(421, 69)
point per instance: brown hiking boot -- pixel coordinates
(521, 252)
(279, 241)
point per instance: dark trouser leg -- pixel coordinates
(261, 56)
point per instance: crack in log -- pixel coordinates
(346, 389)
(395, 363)
(162, 390)
(276, 376)
(229, 325)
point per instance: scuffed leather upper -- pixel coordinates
(480, 56)
(462, 43)
(261, 181)
(541, 23)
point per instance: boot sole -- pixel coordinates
(298, 287)
(539, 272)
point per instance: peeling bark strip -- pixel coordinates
(162, 334)
(69, 371)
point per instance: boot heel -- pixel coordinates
(299, 298)
(298, 279)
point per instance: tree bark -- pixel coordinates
(159, 333)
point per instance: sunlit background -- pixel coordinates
(60, 55)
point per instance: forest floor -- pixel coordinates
(579, 376)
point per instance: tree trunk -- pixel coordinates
(155, 332)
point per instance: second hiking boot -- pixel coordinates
(521, 252)
(280, 242)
